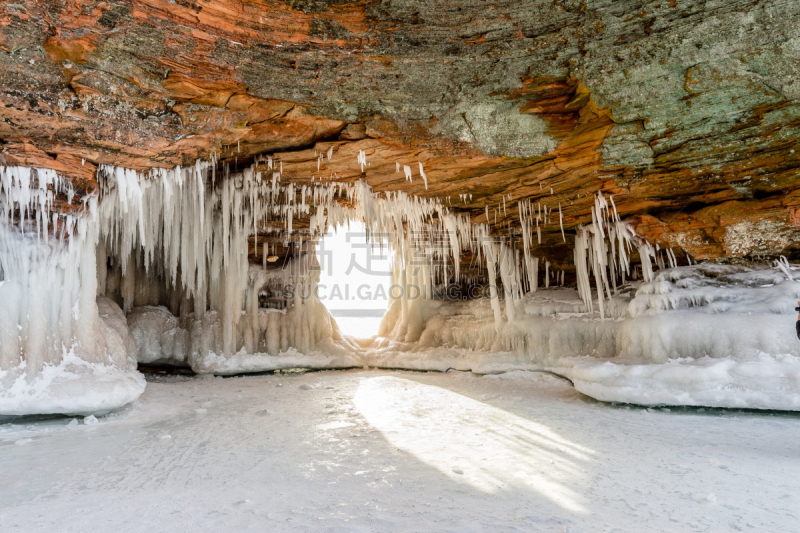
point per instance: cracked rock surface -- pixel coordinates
(688, 112)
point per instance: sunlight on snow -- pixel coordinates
(494, 449)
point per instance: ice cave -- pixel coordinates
(394, 265)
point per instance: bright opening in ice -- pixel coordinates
(355, 277)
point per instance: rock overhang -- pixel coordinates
(686, 113)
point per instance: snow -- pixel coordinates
(73, 386)
(398, 451)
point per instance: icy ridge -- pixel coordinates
(713, 335)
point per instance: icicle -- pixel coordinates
(781, 264)
(424, 177)
(407, 170)
(362, 159)
(507, 274)
(547, 274)
(595, 246)
(489, 250)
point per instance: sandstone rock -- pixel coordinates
(687, 112)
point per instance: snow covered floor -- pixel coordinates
(398, 451)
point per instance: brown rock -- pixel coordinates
(700, 149)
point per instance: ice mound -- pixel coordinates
(328, 356)
(74, 385)
(709, 334)
(762, 382)
(303, 335)
(267, 338)
(158, 335)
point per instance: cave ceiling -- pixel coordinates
(688, 112)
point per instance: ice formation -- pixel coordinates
(711, 335)
(62, 350)
(180, 265)
(424, 176)
(362, 160)
(177, 255)
(159, 267)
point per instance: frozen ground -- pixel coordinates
(398, 451)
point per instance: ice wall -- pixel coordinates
(179, 266)
(301, 335)
(178, 242)
(61, 349)
(711, 335)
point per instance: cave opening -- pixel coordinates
(355, 278)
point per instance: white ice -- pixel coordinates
(62, 349)
(706, 334)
